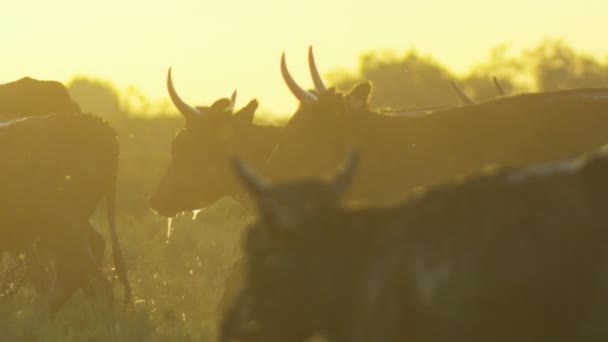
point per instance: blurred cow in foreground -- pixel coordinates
(515, 254)
(54, 171)
(405, 152)
(200, 171)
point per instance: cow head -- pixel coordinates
(286, 205)
(289, 249)
(199, 172)
(319, 130)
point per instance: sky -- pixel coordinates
(215, 47)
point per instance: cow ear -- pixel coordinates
(359, 96)
(221, 105)
(247, 113)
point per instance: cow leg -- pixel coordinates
(78, 268)
(39, 272)
(74, 272)
(64, 286)
(94, 251)
(97, 245)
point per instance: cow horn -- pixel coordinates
(184, 108)
(232, 101)
(345, 176)
(252, 181)
(314, 72)
(501, 90)
(461, 95)
(295, 89)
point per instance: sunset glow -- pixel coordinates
(215, 47)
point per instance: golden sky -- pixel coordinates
(217, 46)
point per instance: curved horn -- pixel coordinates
(501, 90)
(461, 95)
(345, 175)
(250, 179)
(184, 108)
(232, 101)
(314, 72)
(295, 89)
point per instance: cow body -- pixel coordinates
(514, 254)
(428, 149)
(55, 169)
(435, 146)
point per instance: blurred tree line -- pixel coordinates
(407, 81)
(103, 98)
(413, 80)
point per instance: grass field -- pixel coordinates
(178, 283)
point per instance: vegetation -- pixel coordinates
(179, 282)
(415, 80)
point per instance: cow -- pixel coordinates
(54, 170)
(200, 173)
(31, 97)
(510, 254)
(405, 152)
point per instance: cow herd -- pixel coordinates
(482, 221)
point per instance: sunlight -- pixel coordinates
(216, 47)
(169, 228)
(195, 213)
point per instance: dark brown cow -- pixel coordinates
(508, 255)
(405, 152)
(31, 97)
(200, 173)
(54, 170)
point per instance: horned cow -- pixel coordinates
(405, 152)
(200, 173)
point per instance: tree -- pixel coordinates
(556, 65)
(95, 96)
(410, 81)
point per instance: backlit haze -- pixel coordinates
(217, 46)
